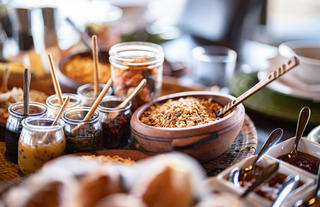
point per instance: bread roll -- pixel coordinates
(42, 190)
(121, 200)
(97, 185)
(166, 186)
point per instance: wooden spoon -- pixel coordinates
(113, 115)
(96, 103)
(5, 78)
(292, 62)
(26, 88)
(62, 108)
(95, 63)
(55, 81)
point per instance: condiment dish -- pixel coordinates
(204, 142)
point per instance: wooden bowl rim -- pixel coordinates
(135, 120)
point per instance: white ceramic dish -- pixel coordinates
(308, 52)
(255, 199)
(305, 146)
(307, 194)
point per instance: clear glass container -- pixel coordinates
(86, 93)
(82, 136)
(131, 62)
(14, 123)
(39, 142)
(54, 105)
(116, 128)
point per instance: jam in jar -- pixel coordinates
(82, 136)
(39, 142)
(14, 123)
(115, 122)
(86, 94)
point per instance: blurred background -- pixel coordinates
(244, 35)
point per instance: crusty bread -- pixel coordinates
(166, 186)
(97, 185)
(43, 190)
(121, 200)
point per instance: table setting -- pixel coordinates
(108, 121)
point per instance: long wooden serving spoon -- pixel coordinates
(292, 62)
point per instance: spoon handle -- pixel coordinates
(273, 138)
(303, 120)
(266, 174)
(286, 189)
(26, 87)
(317, 190)
(292, 62)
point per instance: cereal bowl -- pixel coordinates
(204, 142)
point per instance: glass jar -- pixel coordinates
(86, 93)
(54, 105)
(116, 128)
(14, 123)
(131, 62)
(39, 142)
(82, 136)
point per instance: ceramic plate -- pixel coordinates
(289, 83)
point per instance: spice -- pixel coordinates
(182, 112)
(130, 64)
(116, 131)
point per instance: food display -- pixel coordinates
(80, 68)
(304, 161)
(165, 180)
(16, 95)
(14, 123)
(39, 142)
(270, 189)
(82, 136)
(54, 105)
(108, 158)
(116, 130)
(180, 113)
(130, 64)
(86, 94)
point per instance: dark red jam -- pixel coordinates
(268, 190)
(304, 161)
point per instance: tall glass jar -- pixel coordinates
(14, 123)
(132, 62)
(39, 142)
(54, 105)
(86, 94)
(82, 136)
(115, 122)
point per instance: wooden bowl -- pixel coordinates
(204, 142)
(69, 84)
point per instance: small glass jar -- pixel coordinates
(14, 123)
(39, 142)
(115, 122)
(54, 105)
(82, 136)
(86, 93)
(131, 62)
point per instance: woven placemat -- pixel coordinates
(243, 146)
(8, 170)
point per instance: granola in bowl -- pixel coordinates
(182, 112)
